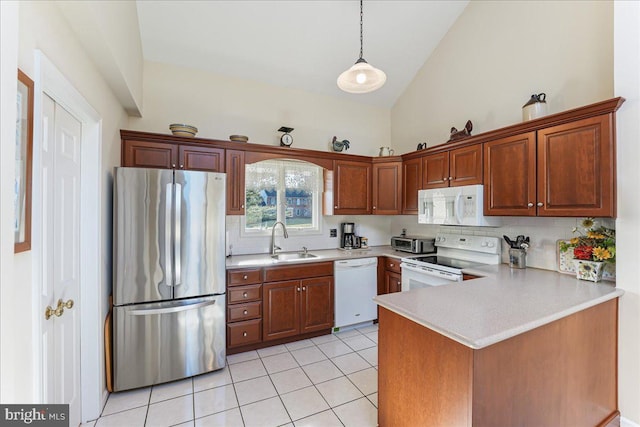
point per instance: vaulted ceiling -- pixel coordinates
(298, 44)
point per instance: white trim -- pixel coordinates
(50, 81)
(624, 422)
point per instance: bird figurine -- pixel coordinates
(339, 145)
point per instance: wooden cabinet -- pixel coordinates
(564, 170)
(392, 275)
(352, 187)
(298, 304)
(235, 182)
(244, 307)
(510, 175)
(151, 154)
(387, 188)
(461, 166)
(411, 184)
(576, 169)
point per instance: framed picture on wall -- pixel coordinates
(24, 159)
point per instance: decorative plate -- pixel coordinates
(565, 263)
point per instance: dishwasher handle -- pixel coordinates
(348, 265)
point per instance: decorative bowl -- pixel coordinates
(239, 138)
(181, 129)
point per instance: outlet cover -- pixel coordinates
(333, 232)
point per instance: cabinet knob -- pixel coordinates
(298, 289)
(391, 264)
(335, 207)
(244, 295)
(245, 276)
(304, 288)
(444, 179)
(540, 204)
(529, 205)
(173, 165)
(399, 283)
(374, 208)
(244, 334)
(242, 206)
(450, 178)
(245, 312)
(181, 166)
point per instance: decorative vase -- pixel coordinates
(588, 270)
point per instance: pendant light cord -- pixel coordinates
(360, 29)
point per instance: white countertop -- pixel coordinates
(262, 260)
(504, 303)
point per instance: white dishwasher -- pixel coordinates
(356, 284)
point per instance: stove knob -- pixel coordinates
(491, 244)
(483, 244)
(442, 239)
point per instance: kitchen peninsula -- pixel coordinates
(515, 347)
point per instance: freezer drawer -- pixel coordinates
(160, 342)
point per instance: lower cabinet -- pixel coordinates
(265, 305)
(392, 275)
(296, 307)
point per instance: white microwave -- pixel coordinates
(454, 206)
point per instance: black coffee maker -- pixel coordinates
(348, 239)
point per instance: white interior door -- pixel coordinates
(61, 252)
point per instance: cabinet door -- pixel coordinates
(387, 188)
(510, 176)
(281, 309)
(201, 158)
(316, 304)
(352, 188)
(411, 183)
(235, 182)
(465, 166)
(393, 282)
(576, 166)
(435, 170)
(144, 154)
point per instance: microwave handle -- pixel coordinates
(458, 208)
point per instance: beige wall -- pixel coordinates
(41, 26)
(220, 106)
(496, 55)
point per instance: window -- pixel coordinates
(282, 190)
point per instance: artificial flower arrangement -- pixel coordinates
(594, 243)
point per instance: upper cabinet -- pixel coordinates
(411, 183)
(152, 154)
(235, 182)
(460, 166)
(387, 188)
(563, 170)
(351, 187)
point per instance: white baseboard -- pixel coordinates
(627, 423)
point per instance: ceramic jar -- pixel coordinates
(535, 107)
(588, 270)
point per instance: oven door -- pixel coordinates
(414, 277)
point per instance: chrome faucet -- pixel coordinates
(273, 245)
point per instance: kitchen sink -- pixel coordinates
(293, 256)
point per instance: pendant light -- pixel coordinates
(361, 77)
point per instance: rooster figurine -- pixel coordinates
(339, 145)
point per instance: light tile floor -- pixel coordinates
(326, 381)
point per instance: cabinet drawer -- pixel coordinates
(245, 293)
(243, 277)
(243, 333)
(251, 310)
(300, 271)
(392, 264)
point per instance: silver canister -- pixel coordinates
(517, 258)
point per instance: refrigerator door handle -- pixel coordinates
(174, 309)
(178, 238)
(168, 209)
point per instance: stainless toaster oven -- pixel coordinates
(413, 244)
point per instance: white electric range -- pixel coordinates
(455, 253)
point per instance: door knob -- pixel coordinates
(59, 310)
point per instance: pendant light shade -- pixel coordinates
(362, 77)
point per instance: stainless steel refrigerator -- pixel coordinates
(169, 275)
